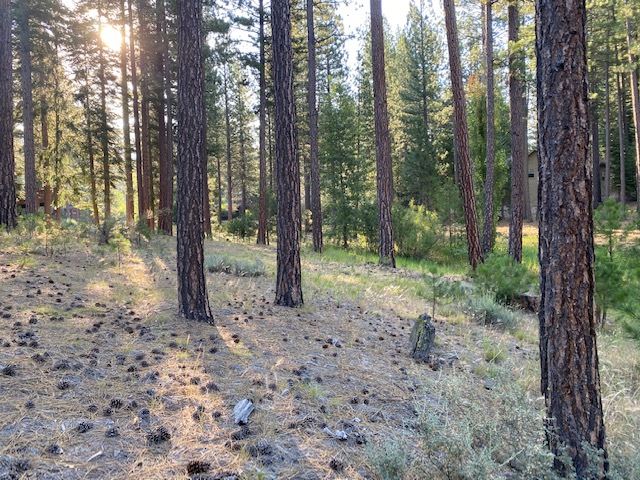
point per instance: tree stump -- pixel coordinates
(422, 338)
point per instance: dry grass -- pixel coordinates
(287, 361)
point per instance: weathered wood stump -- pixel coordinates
(423, 336)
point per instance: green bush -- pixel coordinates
(234, 266)
(417, 231)
(503, 277)
(389, 460)
(485, 310)
(243, 226)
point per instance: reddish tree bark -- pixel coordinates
(165, 194)
(518, 129)
(7, 161)
(461, 137)
(314, 162)
(635, 102)
(31, 202)
(126, 128)
(384, 174)
(104, 129)
(488, 228)
(136, 114)
(147, 175)
(568, 352)
(262, 188)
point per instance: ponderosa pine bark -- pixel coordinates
(90, 151)
(7, 160)
(104, 130)
(518, 135)
(635, 102)
(31, 201)
(461, 137)
(595, 156)
(287, 168)
(607, 128)
(314, 187)
(262, 186)
(192, 289)
(384, 174)
(168, 188)
(126, 128)
(145, 101)
(568, 352)
(136, 114)
(165, 193)
(621, 134)
(219, 190)
(489, 181)
(227, 121)
(44, 154)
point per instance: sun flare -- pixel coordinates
(110, 37)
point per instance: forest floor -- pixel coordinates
(101, 379)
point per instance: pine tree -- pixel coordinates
(461, 137)
(384, 173)
(314, 191)
(568, 351)
(23, 14)
(192, 289)
(7, 165)
(287, 168)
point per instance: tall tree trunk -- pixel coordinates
(518, 135)
(595, 156)
(314, 193)
(126, 129)
(90, 151)
(104, 128)
(168, 189)
(607, 128)
(288, 278)
(621, 134)
(7, 161)
(57, 161)
(384, 174)
(227, 118)
(192, 288)
(461, 137)
(206, 213)
(635, 102)
(262, 187)
(423, 74)
(165, 194)
(243, 153)
(44, 155)
(219, 189)
(142, 210)
(487, 231)
(31, 201)
(147, 176)
(568, 353)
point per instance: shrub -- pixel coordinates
(417, 231)
(485, 310)
(243, 226)
(504, 277)
(234, 266)
(389, 460)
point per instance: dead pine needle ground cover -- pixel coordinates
(100, 379)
